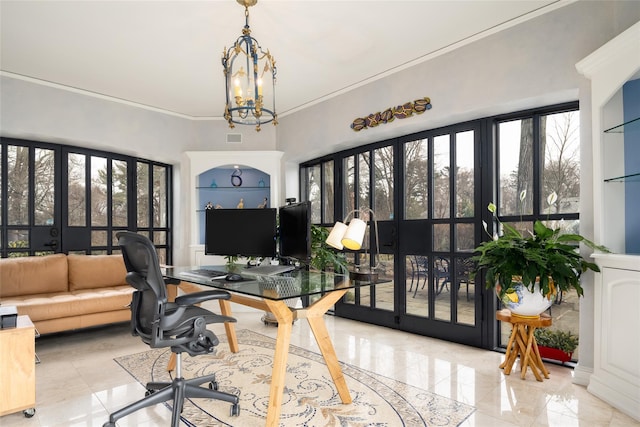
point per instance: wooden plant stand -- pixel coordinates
(523, 343)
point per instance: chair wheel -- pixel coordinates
(235, 410)
(213, 385)
(28, 413)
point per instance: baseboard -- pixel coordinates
(623, 402)
(582, 375)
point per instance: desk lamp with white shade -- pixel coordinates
(351, 237)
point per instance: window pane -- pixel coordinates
(364, 182)
(349, 189)
(464, 237)
(313, 175)
(98, 191)
(416, 160)
(76, 170)
(142, 184)
(417, 268)
(561, 168)
(18, 238)
(119, 193)
(17, 186)
(383, 182)
(98, 238)
(441, 237)
(159, 196)
(465, 284)
(442, 288)
(441, 171)
(44, 188)
(159, 238)
(327, 195)
(515, 139)
(465, 182)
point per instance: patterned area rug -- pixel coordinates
(310, 398)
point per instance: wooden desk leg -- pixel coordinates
(315, 317)
(284, 316)
(229, 327)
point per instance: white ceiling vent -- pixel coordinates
(234, 138)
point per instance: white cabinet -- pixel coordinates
(615, 375)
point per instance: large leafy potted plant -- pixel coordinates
(537, 265)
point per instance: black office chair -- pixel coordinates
(180, 325)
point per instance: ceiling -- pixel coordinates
(166, 55)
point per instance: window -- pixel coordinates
(56, 198)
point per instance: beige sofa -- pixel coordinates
(65, 292)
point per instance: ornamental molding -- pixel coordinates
(403, 111)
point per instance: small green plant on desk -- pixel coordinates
(231, 263)
(563, 342)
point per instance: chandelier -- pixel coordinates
(250, 79)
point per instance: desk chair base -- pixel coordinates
(177, 390)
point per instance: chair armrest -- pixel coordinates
(198, 297)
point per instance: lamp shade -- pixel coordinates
(335, 237)
(354, 235)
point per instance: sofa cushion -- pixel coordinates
(69, 304)
(95, 271)
(33, 275)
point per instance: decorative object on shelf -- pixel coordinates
(236, 179)
(213, 184)
(208, 206)
(351, 237)
(545, 261)
(261, 183)
(556, 344)
(403, 111)
(246, 89)
(264, 203)
(240, 204)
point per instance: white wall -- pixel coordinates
(529, 65)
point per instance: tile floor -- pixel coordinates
(78, 383)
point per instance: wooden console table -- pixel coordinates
(523, 343)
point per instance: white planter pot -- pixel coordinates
(522, 302)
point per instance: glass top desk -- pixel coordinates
(270, 293)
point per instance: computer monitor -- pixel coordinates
(243, 232)
(295, 231)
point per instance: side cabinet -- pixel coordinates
(18, 368)
(616, 373)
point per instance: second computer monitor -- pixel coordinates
(295, 231)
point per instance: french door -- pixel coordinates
(425, 192)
